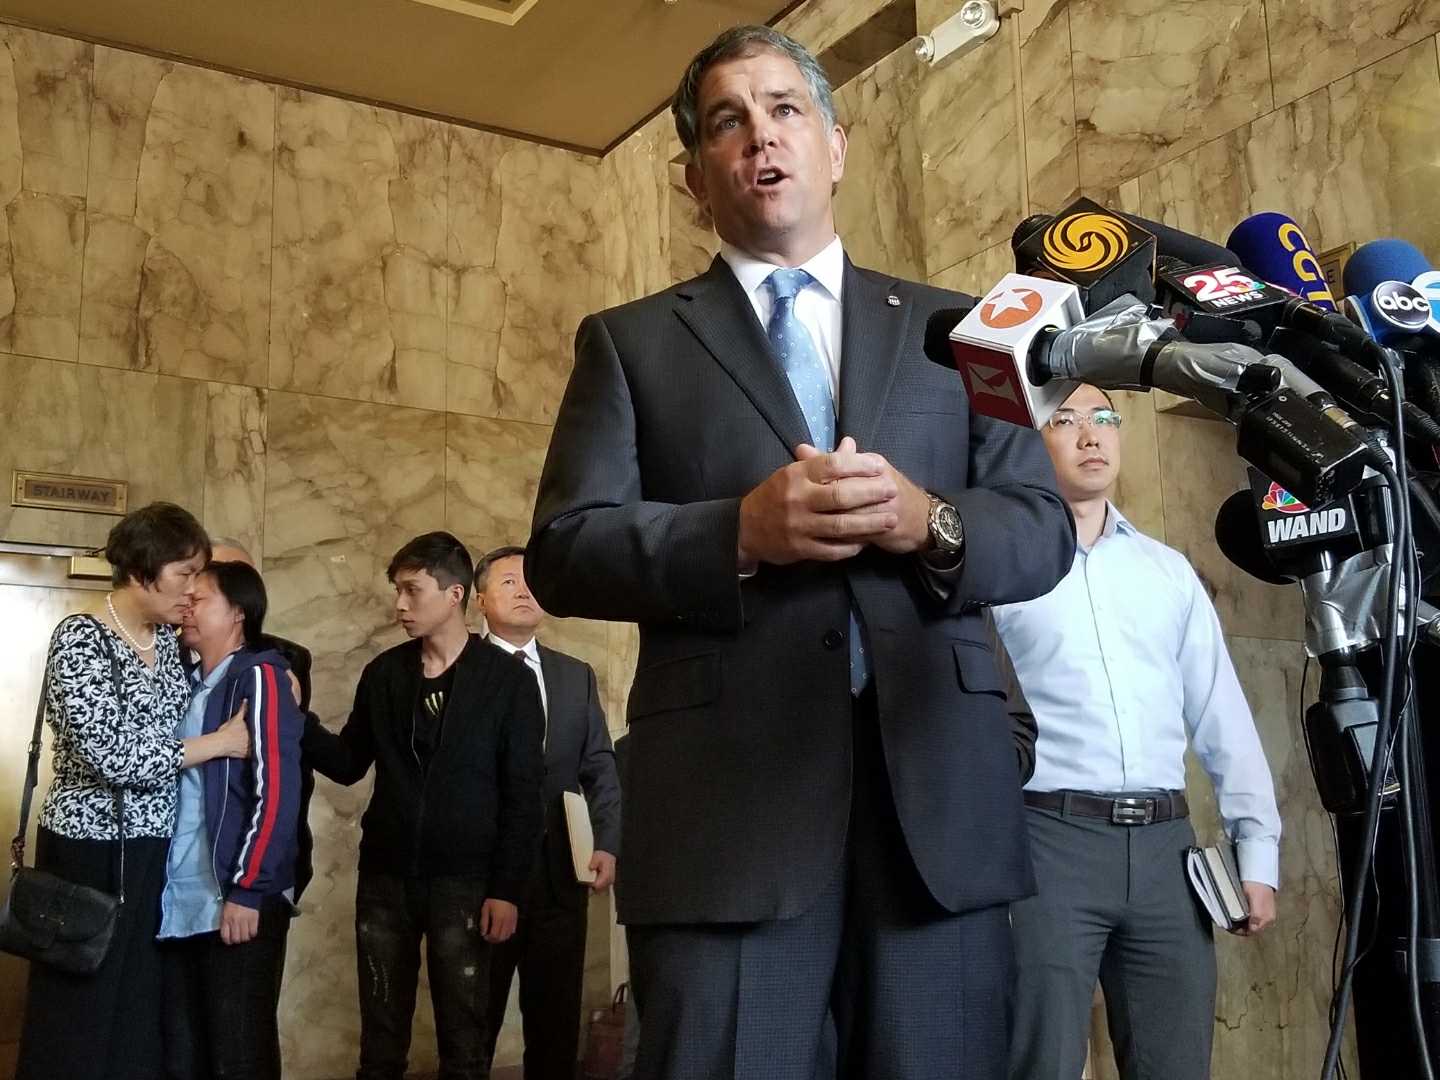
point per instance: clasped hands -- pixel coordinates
(829, 507)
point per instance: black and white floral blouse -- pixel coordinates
(102, 744)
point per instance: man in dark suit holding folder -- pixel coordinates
(761, 468)
(548, 947)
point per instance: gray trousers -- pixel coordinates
(874, 982)
(1114, 902)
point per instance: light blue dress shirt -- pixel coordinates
(191, 902)
(1118, 662)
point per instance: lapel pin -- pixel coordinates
(892, 300)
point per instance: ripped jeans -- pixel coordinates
(392, 914)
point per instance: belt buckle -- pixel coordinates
(1132, 811)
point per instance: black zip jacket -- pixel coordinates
(477, 810)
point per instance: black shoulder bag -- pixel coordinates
(45, 918)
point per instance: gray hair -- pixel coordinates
(734, 44)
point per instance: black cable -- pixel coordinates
(1406, 566)
(1335, 841)
(1391, 640)
(1412, 937)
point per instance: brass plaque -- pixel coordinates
(52, 491)
(1332, 265)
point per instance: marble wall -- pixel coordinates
(328, 326)
(325, 327)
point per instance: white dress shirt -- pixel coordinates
(1117, 662)
(530, 653)
(817, 306)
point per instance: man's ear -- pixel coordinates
(838, 146)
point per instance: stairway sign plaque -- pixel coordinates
(53, 491)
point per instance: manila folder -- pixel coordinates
(582, 836)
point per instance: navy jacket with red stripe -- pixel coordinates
(252, 805)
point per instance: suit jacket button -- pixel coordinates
(833, 639)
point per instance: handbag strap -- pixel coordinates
(32, 768)
(119, 793)
(32, 775)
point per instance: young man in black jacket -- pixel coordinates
(454, 728)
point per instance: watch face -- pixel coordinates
(949, 533)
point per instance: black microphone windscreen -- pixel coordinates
(1191, 249)
(1170, 264)
(1237, 532)
(1027, 227)
(937, 334)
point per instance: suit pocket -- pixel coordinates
(686, 683)
(975, 666)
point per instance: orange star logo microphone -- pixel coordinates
(992, 346)
(1013, 307)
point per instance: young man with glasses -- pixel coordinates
(1116, 665)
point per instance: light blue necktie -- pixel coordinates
(800, 360)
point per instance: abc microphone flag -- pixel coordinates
(993, 343)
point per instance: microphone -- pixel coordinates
(1274, 247)
(1024, 347)
(1230, 291)
(1237, 535)
(1120, 348)
(1359, 387)
(1173, 243)
(1383, 260)
(1102, 254)
(1378, 278)
(994, 341)
(1197, 294)
(1280, 432)
(1292, 378)
(1225, 303)
(1218, 301)
(1187, 247)
(1275, 537)
(1428, 285)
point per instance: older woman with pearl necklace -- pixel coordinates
(115, 693)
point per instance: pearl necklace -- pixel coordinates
(126, 633)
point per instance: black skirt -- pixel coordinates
(104, 1026)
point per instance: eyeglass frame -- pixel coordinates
(1085, 419)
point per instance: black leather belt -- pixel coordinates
(1118, 809)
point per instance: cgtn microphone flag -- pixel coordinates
(992, 346)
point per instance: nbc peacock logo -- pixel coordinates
(1277, 498)
(1086, 241)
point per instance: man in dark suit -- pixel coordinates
(548, 946)
(822, 805)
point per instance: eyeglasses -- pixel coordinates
(1070, 420)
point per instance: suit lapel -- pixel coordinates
(872, 332)
(548, 672)
(718, 312)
